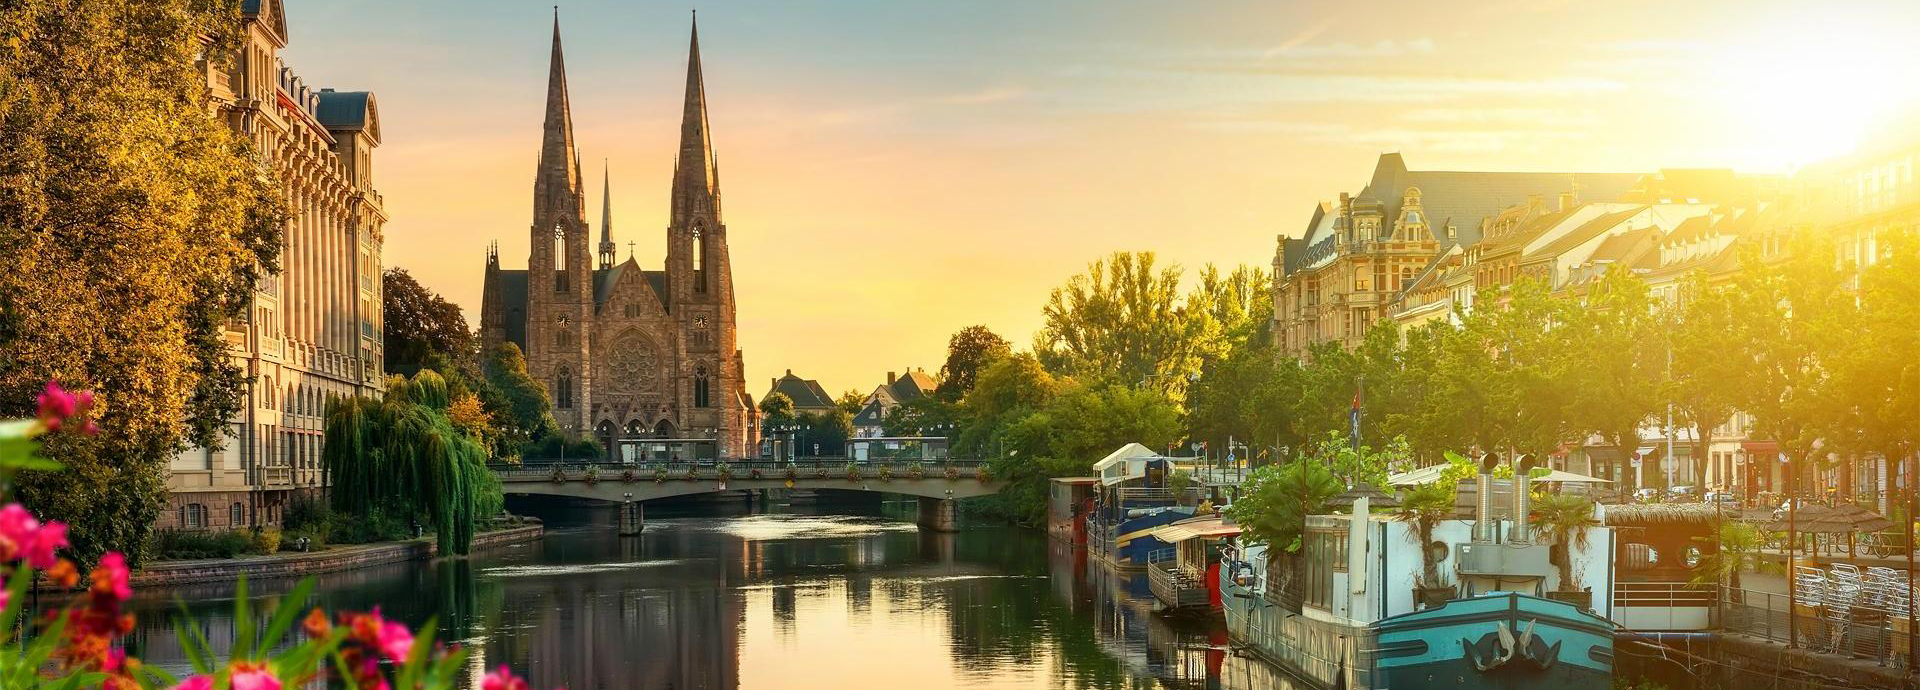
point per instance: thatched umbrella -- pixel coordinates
(1375, 497)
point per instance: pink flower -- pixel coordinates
(111, 577)
(195, 683)
(502, 679)
(22, 536)
(56, 405)
(253, 678)
(396, 641)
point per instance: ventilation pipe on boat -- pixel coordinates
(1522, 530)
(1483, 499)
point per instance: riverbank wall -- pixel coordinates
(282, 565)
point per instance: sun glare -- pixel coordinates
(1799, 93)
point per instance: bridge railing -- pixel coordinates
(804, 468)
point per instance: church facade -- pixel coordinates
(627, 352)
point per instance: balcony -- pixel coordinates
(276, 477)
(1174, 586)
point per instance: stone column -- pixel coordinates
(632, 518)
(937, 514)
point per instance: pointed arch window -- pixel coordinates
(560, 257)
(702, 389)
(563, 390)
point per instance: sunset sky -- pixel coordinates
(897, 170)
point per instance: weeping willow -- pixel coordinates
(402, 455)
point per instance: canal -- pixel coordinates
(780, 597)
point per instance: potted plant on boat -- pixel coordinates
(1566, 518)
(1425, 506)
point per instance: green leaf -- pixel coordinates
(284, 616)
(242, 622)
(192, 640)
(16, 596)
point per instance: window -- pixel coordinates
(563, 390)
(701, 395)
(236, 516)
(1326, 554)
(193, 516)
(559, 258)
(699, 260)
(700, 336)
(266, 392)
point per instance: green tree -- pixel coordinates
(419, 324)
(1622, 360)
(1123, 321)
(1710, 358)
(520, 406)
(923, 416)
(1878, 374)
(1566, 518)
(402, 457)
(133, 227)
(1274, 504)
(1230, 310)
(776, 410)
(825, 433)
(850, 402)
(969, 351)
(1426, 506)
(1007, 390)
(1795, 316)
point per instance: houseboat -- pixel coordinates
(1132, 499)
(1352, 611)
(1186, 576)
(1069, 502)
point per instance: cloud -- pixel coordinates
(998, 94)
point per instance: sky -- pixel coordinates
(895, 171)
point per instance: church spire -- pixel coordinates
(559, 171)
(606, 219)
(696, 181)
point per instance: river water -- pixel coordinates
(780, 597)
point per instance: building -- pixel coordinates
(1347, 270)
(624, 351)
(898, 389)
(808, 395)
(313, 332)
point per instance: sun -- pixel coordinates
(1807, 88)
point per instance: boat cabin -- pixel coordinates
(1187, 573)
(1656, 547)
(1069, 501)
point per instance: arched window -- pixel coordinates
(236, 515)
(266, 392)
(560, 257)
(701, 395)
(563, 390)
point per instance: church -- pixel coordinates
(627, 352)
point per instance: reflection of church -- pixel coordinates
(623, 351)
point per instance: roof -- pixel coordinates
(1623, 246)
(348, 111)
(1467, 197)
(870, 415)
(1205, 527)
(1076, 480)
(913, 384)
(604, 279)
(1656, 514)
(805, 393)
(1585, 233)
(1115, 468)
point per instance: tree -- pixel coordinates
(135, 227)
(1794, 317)
(419, 323)
(969, 351)
(519, 404)
(1274, 505)
(1567, 518)
(1621, 357)
(825, 433)
(850, 402)
(1704, 383)
(1007, 390)
(1121, 322)
(776, 410)
(1233, 310)
(923, 416)
(1426, 506)
(403, 457)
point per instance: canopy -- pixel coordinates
(1210, 526)
(1844, 519)
(1424, 475)
(1571, 478)
(1129, 462)
(1375, 497)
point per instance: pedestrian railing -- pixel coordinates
(1848, 615)
(804, 468)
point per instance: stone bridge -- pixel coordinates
(937, 483)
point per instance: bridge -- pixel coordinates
(937, 483)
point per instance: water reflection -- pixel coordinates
(775, 601)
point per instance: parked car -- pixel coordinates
(1724, 498)
(1646, 494)
(1682, 494)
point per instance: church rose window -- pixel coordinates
(632, 366)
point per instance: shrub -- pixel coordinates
(316, 538)
(264, 541)
(377, 526)
(184, 544)
(307, 512)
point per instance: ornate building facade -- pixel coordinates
(627, 352)
(313, 332)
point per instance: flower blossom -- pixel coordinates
(396, 641)
(502, 679)
(246, 677)
(22, 536)
(195, 683)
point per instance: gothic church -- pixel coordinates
(627, 352)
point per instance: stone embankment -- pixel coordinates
(195, 572)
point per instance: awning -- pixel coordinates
(1211, 526)
(1602, 453)
(1767, 448)
(1644, 452)
(1571, 478)
(1126, 463)
(1424, 475)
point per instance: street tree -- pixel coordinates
(136, 226)
(776, 410)
(1122, 321)
(1710, 360)
(1618, 360)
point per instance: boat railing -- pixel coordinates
(1171, 583)
(1156, 495)
(1663, 605)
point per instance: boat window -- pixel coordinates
(1325, 554)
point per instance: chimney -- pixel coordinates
(1483, 500)
(889, 378)
(1566, 200)
(1522, 531)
